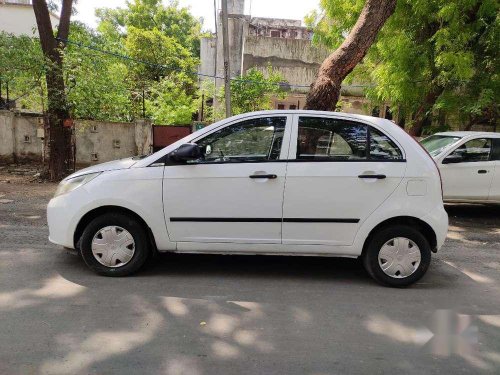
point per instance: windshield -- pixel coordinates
(435, 144)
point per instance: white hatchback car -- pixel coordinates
(271, 182)
(469, 163)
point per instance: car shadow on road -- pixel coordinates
(208, 274)
(487, 213)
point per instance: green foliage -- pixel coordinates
(441, 56)
(166, 38)
(254, 91)
(22, 66)
(162, 42)
(171, 20)
(96, 88)
(169, 104)
(163, 53)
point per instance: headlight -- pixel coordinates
(69, 185)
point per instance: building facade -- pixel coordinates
(284, 44)
(17, 17)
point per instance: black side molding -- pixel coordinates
(262, 220)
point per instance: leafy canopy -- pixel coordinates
(439, 56)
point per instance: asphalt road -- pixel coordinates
(193, 315)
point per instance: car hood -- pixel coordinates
(108, 166)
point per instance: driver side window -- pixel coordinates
(473, 151)
(258, 139)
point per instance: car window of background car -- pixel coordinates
(474, 150)
(333, 139)
(435, 144)
(250, 140)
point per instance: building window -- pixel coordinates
(275, 34)
(293, 106)
(281, 106)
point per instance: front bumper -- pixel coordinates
(61, 220)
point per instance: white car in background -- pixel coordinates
(271, 182)
(469, 163)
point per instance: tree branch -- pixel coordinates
(325, 91)
(63, 29)
(44, 26)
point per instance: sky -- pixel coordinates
(292, 9)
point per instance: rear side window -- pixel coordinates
(341, 140)
(382, 147)
(331, 139)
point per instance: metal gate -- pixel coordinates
(164, 135)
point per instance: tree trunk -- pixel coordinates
(422, 113)
(59, 137)
(325, 91)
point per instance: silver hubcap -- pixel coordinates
(113, 246)
(399, 257)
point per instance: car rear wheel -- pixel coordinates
(114, 244)
(397, 256)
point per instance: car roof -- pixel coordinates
(463, 134)
(377, 120)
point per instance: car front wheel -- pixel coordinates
(397, 256)
(114, 244)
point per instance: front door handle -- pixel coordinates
(482, 171)
(376, 176)
(270, 176)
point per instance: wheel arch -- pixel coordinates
(411, 221)
(92, 214)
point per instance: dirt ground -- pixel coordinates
(189, 314)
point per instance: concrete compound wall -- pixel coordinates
(21, 139)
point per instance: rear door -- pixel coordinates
(339, 172)
(469, 175)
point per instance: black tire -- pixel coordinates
(142, 244)
(370, 255)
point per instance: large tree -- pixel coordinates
(60, 153)
(325, 91)
(434, 62)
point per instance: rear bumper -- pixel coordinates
(438, 220)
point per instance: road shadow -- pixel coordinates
(474, 213)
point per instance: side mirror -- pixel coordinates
(453, 158)
(186, 152)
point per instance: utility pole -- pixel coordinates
(225, 50)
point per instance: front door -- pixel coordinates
(339, 172)
(235, 192)
(470, 174)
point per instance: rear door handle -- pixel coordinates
(376, 176)
(270, 176)
(482, 171)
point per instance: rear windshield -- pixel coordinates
(435, 144)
